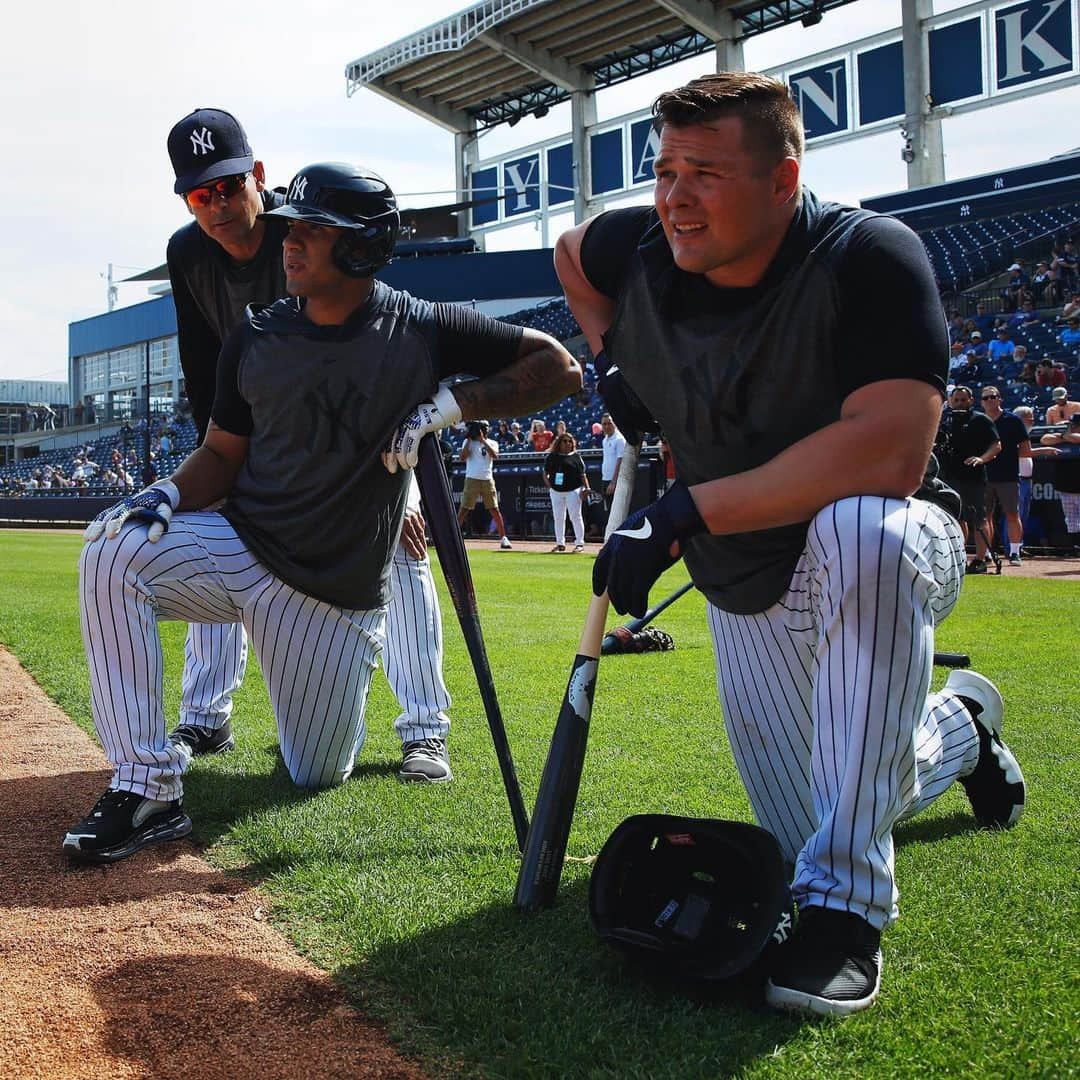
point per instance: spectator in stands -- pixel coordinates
(977, 345)
(89, 413)
(982, 320)
(1044, 286)
(479, 454)
(504, 436)
(1062, 410)
(567, 483)
(1018, 281)
(1068, 262)
(958, 359)
(29, 418)
(1071, 308)
(1003, 471)
(1070, 336)
(517, 434)
(956, 327)
(539, 436)
(1067, 475)
(614, 447)
(1025, 317)
(1002, 347)
(1047, 373)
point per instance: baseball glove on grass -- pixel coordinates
(651, 639)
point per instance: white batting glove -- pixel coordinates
(426, 417)
(154, 505)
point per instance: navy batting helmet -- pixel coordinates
(346, 197)
(691, 897)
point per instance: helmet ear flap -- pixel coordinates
(360, 252)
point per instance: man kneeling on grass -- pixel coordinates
(311, 390)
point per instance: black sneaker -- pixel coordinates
(1014, 559)
(425, 761)
(976, 566)
(996, 785)
(204, 740)
(121, 823)
(831, 966)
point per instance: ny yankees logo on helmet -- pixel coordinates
(298, 186)
(202, 142)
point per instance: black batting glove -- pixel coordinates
(626, 408)
(639, 551)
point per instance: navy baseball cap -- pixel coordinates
(206, 145)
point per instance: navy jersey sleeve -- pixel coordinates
(892, 325)
(469, 342)
(231, 412)
(609, 242)
(197, 341)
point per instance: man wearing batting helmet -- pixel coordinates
(229, 256)
(824, 579)
(311, 390)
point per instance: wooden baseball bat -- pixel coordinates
(545, 849)
(450, 547)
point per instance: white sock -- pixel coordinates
(1014, 549)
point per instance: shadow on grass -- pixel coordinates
(216, 801)
(520, 995)
(926, 830)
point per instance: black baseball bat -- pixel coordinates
(952, 659)
(610, 641)
(450, 547)
(545, 850)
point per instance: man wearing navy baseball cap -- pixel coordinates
(207, 145)
(223, 260)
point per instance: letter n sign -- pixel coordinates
(521, 181)
(822, 96)
(1034, 41)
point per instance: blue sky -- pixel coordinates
(90, 90)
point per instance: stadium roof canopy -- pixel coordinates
(501, 60)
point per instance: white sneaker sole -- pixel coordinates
(799, 1001)
(971, 684)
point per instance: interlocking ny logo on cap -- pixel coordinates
(298, 186)
(202, 142)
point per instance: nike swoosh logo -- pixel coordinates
(611, 370)
(642, 533)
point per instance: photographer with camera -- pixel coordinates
(966, 441)
(479, 454)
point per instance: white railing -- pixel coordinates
(448, 35)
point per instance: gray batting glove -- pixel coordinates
(426, 417)
(154, 505)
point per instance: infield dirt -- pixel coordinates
(158, 966)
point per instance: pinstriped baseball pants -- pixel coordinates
(825, 697)
(316, 658)
(215, 657)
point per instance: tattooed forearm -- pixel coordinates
(543, 373)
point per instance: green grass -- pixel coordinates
(403, 892)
